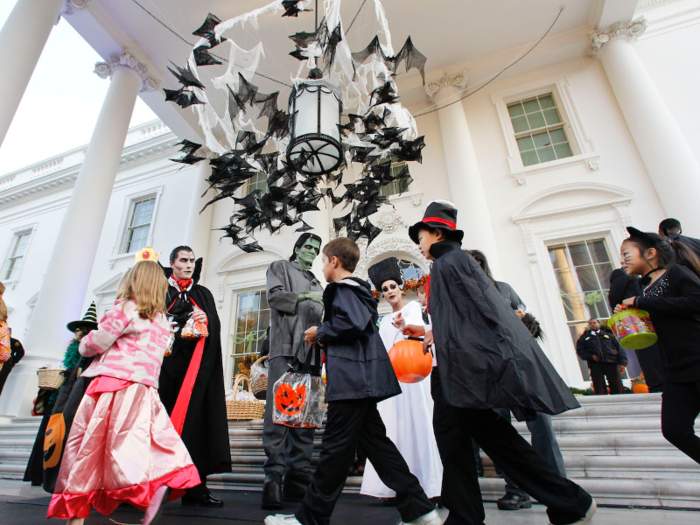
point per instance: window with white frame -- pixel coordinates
(582, 270)
(258, 182)
(17, 253)
(251, 324)
(539, 129)
(139, 224)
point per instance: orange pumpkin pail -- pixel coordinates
(410, 364)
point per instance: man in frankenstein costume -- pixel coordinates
(296, 304)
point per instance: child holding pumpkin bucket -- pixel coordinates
(486, 359)
(359, 375)
(123, 447)
(671, 295)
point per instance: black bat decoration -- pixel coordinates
(206, 30)
(202, 57)
(186, 77)
(291, 8)
(409, 55)
(182, 98)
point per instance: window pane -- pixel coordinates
(520, 124)
(557, 135)
(546, 154)
(21, 245)
(563, 151)
(526, 143)
(587, 278)
(531, 105)
(574, 307)
(541, 139)
(604, 272)
(552, 116)
(536, 120)
(13, 269)
(566, 280)
(252, 321)
(546, 101)
(579, 254)
(143, 212)
(139, 236)
(598, 251)
(558, 257)
(529, 158)
(516, 110)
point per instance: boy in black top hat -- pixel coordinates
(359, 375)
(486, 359)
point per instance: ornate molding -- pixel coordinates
(128, 62)
(630, 30)
(71, 6)
(457, 80)
(388, 245)
(390, 221)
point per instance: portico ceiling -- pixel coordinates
(448, 32)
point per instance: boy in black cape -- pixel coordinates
(486, 359)
(359, 375)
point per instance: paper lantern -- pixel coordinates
(410, 364)
(315, 107)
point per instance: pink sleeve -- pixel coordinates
(108, 331)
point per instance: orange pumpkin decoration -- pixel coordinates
(290, 401)
(640, 389)
(53, 440)
(410, 364)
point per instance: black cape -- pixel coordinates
(205, 432)
(486, 356)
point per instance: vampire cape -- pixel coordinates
(205, 432)
(486, 356)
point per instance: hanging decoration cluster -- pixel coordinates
(250, 135)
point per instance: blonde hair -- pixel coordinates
(3, 311)
(146, 285)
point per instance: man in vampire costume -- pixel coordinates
(486, 359)
(205, 431)
(296, 304)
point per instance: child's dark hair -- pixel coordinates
(347, 252)
(668, 225)
(667, 251)
(484, 263)
(447, 235)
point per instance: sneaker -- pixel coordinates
(431, 518)
(282, 519)
(589, 515)
(514, 502)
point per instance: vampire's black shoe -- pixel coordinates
(295, 486)
(200, 497)
(514, 502)
(272, 492)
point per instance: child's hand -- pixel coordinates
(428, 342)
(619, 308)
(310, 336)
(199, 316)
(399, 322)
(413, 330)
(629, 302)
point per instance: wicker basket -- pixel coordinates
(238, 410)
(259, 384)
(51, 378)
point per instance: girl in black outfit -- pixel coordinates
(672, 298)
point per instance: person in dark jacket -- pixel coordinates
(359, 375)
(671, 276)
(605, 358)
(486, 359)
(651, 359)
(672, 229)
(17, 353)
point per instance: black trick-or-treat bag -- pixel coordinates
(300, 395)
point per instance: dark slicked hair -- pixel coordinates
(176, 252)
(302, 240)
(346, 250)
(669, 225)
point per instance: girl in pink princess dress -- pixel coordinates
(122, 447)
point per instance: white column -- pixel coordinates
(466, 186)
(22, 39)
(672, 167)
(198, 229)
(67, 275)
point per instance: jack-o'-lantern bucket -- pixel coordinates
(633, 329)
(299, 400)
(410, 363)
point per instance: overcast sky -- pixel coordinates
(62, 101)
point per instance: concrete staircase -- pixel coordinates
(612, 446)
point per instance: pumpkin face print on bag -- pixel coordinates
(289, 400)
(53, 440)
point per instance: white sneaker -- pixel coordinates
(589, 515)
(431, 518)
(282, 519)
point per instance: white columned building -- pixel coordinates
(463, 174)
(672, 167)
(68, 272)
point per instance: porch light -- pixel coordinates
(315, 107)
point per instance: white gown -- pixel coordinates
(408, 418)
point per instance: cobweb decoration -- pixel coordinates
(247, 130)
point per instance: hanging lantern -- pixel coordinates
(315, 107)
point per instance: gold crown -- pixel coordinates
(146, 254)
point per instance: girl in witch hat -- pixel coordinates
(123, 447)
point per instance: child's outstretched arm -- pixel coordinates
(108, 331)
(349, 320)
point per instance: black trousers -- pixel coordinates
(653, 365)
(351, 423)
(599, 371)
(680, 408)
(566, 502)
